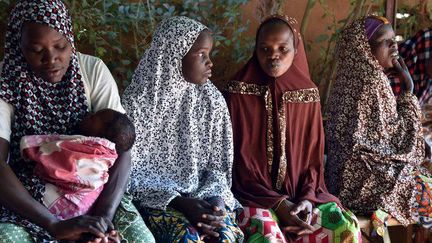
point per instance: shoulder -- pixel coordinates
(88, 60)
(214, 97)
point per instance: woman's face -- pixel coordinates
(46, 51)
(384, 46)
(275, 49)
(196, 64)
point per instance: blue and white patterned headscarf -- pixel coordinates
(184, 138)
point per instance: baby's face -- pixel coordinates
(275, 49)
(94, 125)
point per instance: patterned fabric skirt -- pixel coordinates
(172, 226)
(331, 223)
(127, 221)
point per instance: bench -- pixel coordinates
(398, 233)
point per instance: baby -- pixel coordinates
(75, 167)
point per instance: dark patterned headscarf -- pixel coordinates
(40, 107)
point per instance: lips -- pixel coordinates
(208, 73)
(52, 73)
(394, 54)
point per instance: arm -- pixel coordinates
(103, 93)
(216, 176)
(16, 198)
(108, 201)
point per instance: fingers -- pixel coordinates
(94, 230)
(114, 237)
(298, 208)
(208, 229)
(110, 225)
(203, 236)
(402, 63)
(209, 217)
(304, 232)
(297, 230)
(303, 224)
(95, 240)
(397, 65)
(292, 229)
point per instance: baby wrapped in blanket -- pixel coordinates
(75, 167)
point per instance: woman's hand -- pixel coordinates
(200, 214)
(304, 211)
(402, 72)
(290, 215)
(218, 205)
(75, 228)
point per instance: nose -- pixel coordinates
(393, 43)
(49, 57)
(209, 63)
(273, 54)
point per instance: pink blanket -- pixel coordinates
(75, 168)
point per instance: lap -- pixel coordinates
(330, 222)
(13, 233)
(127, 221)
(172, 226)
(130, 224)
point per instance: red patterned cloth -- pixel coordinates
(74, 168)
(332, 225)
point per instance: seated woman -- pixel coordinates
(182, 158)
(46, 87)
(75, 168)
(375, 144)
(279, 144)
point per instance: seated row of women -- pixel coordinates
(199, 165)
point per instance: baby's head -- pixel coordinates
(111, 125)
(275, 46)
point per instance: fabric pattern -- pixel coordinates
(374, 141)
(332, 225)
(129, 223)
(12, 233)
(172, 226)
(40, 107)
(74, 167)
(422, 205)
(184, 137)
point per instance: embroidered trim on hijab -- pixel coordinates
(290, 21)
(372, 24)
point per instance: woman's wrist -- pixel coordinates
(177, 203)
(50, 225)
(283, 206)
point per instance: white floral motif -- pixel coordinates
(184, 137)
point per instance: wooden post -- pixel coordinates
(391, 11)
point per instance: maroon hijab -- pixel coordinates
(278, 133)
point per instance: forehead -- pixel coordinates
(384, 31)
(275, 31)
(37, 31)
(204, 40)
